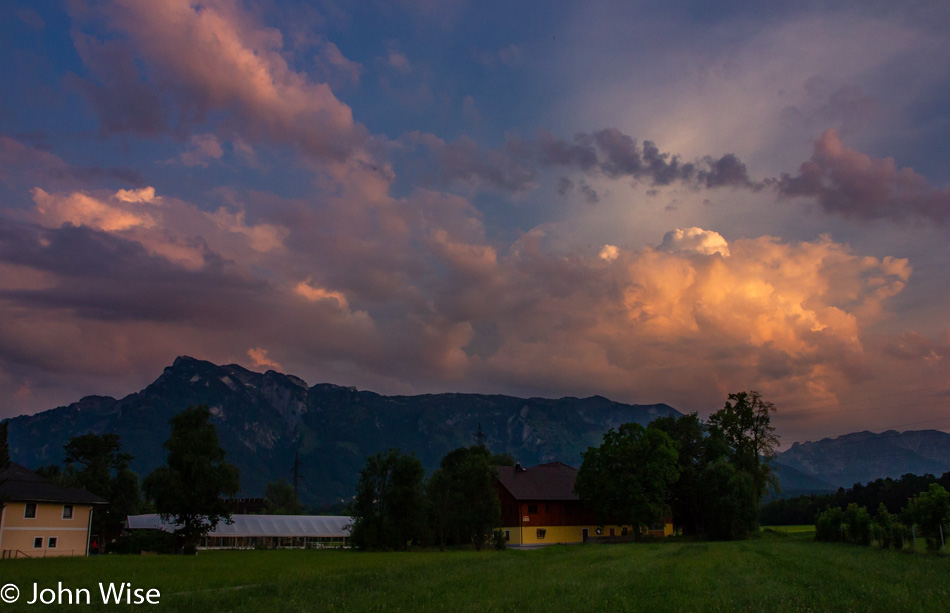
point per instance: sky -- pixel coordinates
(649, 201)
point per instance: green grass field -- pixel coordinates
(773, 573)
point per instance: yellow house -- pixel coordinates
(41, 519)
(539, 507)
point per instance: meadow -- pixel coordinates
(772, 573)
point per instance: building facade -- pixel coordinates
(41, 519)
(539, 507)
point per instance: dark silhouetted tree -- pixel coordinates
(281, 499)
(96, 462)
(627, 479)
(389, 507)
(462, 498)
(745, 423)
(189, 490)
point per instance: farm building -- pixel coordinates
(41, 519)
(263, 531)
(539, 507)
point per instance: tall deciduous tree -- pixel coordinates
(696, 450)
(190, 489)
(745, 423)
(389, 507)
(462, 498)
(627, 479)
(96, 462)
(281, 499)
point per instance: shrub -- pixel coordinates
(829, 525)
(857, 525)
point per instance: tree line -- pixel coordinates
(926, 515)
(892, 493)
(710, 476)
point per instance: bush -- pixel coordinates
(152, 541)
(857, 525)
(829, 525)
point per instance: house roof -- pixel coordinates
(259, 525)
(553, 481)
(23, 485)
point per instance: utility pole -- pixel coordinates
(296, 473)
(480, 436)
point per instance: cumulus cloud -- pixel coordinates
(82, 209)
(145, 194)
(694, 240)
(855, 185)
(609, 253)
(222, 61)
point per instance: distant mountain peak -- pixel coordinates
(264, 420)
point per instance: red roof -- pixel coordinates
(554, 481)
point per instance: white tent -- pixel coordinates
(270, 531)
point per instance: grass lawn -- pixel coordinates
(773, 573)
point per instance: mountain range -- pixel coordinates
(264, 420)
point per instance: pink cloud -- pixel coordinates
(214, 57)
(855, 185)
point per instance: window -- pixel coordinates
(532, 508)
(507, 535)
(67, 511)
(37, 542)
(623, 531)
(30, 511)
(599, 530)
(52, 542)
(541, 533)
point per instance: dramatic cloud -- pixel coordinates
(617, 155)
(694, 240)
(852, 184)
(221, 61)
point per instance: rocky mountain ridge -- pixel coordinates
(263, 419)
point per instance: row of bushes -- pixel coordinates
(926, 515)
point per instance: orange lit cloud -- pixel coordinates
(260, 359)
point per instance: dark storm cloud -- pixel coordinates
(852, 184)
(102, 276)
(617, 155)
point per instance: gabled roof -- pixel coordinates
(554, 481)
(20, 484)
(259, 525)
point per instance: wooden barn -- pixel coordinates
(539, 507)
